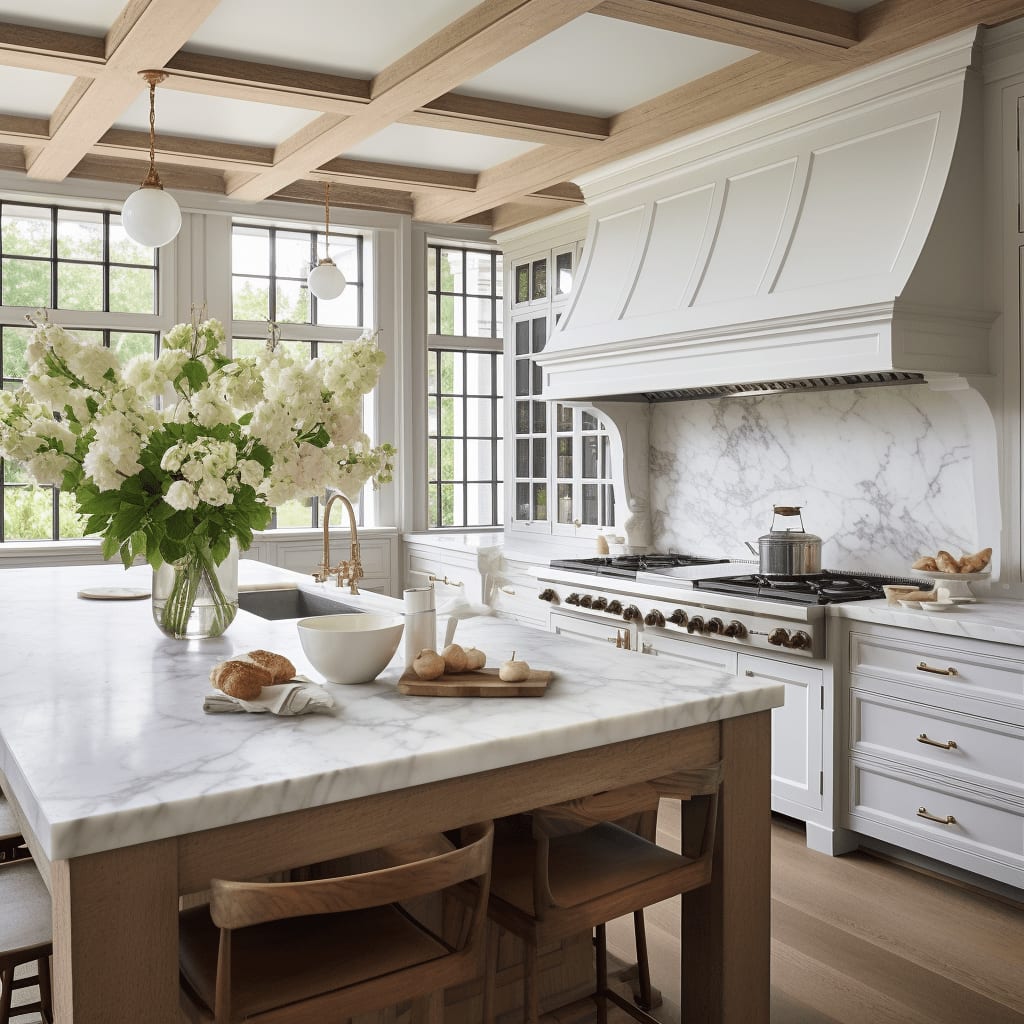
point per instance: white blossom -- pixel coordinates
(181, 495)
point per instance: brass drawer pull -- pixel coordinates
(948, 745)
(923, 666)
(922, 812)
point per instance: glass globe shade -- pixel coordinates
(151, 217)
(326, 281)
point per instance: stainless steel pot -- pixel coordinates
(789, 552)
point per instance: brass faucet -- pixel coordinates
(352, 570)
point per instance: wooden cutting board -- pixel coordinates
(482, 683)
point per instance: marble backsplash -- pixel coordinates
(883, 474)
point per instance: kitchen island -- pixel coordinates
(131, 796)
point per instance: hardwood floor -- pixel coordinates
(861, 940)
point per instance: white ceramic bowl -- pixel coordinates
(352, 648)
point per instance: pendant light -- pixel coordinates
(150, 215)
(325, 280)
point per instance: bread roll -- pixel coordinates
(920, 595)
(946, 562)
(276, 664)
(926, 563)
(242, 679)
(976, 562)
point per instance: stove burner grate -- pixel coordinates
(627, 566)
(817, 588)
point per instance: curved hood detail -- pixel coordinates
(831, 236)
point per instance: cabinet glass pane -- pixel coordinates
(523, 337)
(539, 280)
(565, 458)
(523, 283)
(606, 458)
(608, 511)
(540, 457)
(563, 273)
(522, 457)
(522, 376)
(588, 514)
(565, 503)
(563, 418)
(538, 379)
(522, 417)
(590, 449)
(540, 501)
(522, 501)
(588, 421)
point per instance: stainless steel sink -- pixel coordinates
(291, 604)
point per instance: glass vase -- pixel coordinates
(194, 598)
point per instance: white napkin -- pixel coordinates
(300, 696)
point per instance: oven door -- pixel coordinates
(607, 630)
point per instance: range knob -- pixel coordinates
(736, 629)
(632, 614)
(573, 599)
(678, 617)
(779, 637)
(614, 608)
(600, 604)
(714, 627)
(695, 625)
(799, 641)
(548, 595)
(586, 600)
(654, 618)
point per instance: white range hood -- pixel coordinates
(831, 239)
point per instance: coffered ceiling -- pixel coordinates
(448, 110)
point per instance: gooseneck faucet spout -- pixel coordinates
(351, 570)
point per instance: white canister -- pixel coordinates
(420, 622)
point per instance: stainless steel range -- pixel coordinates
(713, 613)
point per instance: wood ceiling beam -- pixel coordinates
(886, 29)
(723, 24)
(43, 49)
(352, 196)
(490, 32)
(146, 34)
(389, 175)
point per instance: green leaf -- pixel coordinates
(100, 502)
(180, 525)
(172, 550)
(195, 373)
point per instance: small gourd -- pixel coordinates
(513, 671)
(475, 659)
(454, 658)
(428, 664)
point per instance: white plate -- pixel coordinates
(964, 577)
(929, 606)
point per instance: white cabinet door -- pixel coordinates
(798, 780)
(696, 653)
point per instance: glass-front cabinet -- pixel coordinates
(561, 463)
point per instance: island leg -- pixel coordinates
(115, 936)
(726, 926)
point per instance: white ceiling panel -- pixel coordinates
(91, 17)
(213, 117)
(31, 93)
(432, 147)
(345, 37)
(601, 66)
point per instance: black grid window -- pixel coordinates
(29, 512)
(464, 438)
(464, 292)
(57, 257)
(269, 267)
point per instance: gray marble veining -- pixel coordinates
(884, 474)
(104, 742)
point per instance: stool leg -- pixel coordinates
(643, 964)
(6, 984)
(602, 974)
(530, 1003)
(429, 1009)
(45, 993)
(490, 972)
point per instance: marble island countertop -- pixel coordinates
(104, 743)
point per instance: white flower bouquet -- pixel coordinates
(174, 458)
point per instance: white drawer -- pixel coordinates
(985, 832)
(983, 752)
(693, 652)
(943, 666)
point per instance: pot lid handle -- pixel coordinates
(786, 510)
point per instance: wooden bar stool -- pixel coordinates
(569, 867)
(333, 948)
(26, 935)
